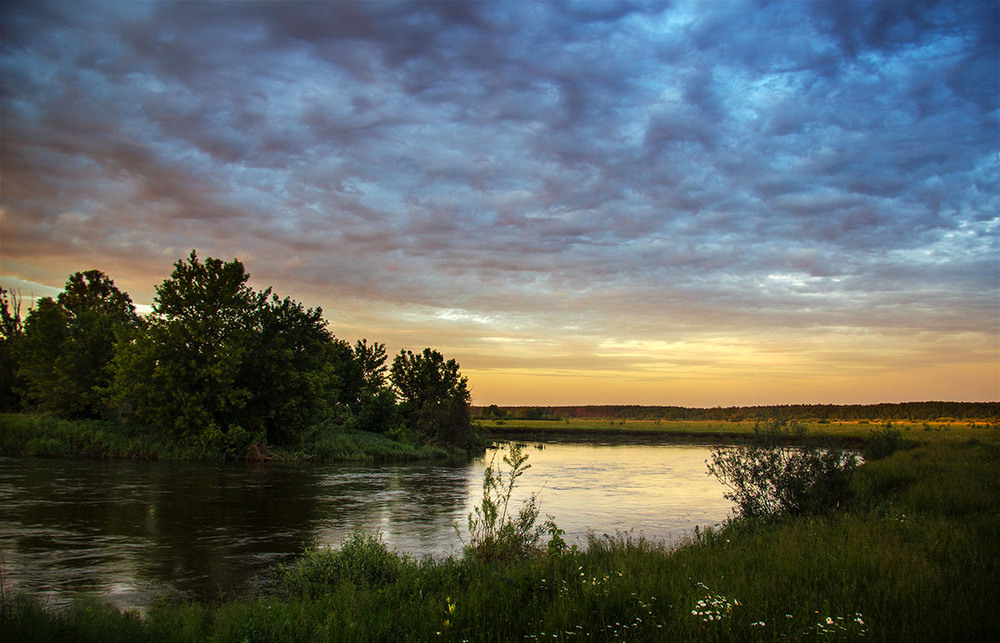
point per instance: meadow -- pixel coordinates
(910, 554)
(853, 431)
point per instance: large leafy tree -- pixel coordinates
(291, 370)
(368, 401)
(69, 344)
(181, 372)
(229, 365)
(433, 395)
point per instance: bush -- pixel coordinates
(882, 443)
(773, 476)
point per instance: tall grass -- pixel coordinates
(47, 436)
(912, 556)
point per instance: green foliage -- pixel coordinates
(495, 532)
(68, 345)
(434, 396)
(369, 404)
(181, 372)
(11, 334)
(289, 370)
(228, 366)
(219, 366)
(363, 559)
(777, 475)
(45, 333)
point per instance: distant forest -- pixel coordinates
(921, 411)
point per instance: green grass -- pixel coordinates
(911, 556)
(23, 434)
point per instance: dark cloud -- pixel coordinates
(738, 162)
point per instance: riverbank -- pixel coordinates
(28, 435)
(910, 556)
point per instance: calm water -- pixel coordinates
(130, 531)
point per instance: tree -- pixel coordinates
(181, 372)
(45, 334)
(369, 404)
(11, 333)
(230, 366)
(290, 370)
(69, 345)
(434, 397)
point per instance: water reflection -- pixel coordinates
(132, 530)
(660, 491)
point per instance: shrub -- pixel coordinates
(773, 475)
(882, 443)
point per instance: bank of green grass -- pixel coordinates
(709, 430)
(912, 555)
(29, 435)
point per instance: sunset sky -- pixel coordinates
(692, 203)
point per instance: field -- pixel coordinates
(911, 554)
(934, 431)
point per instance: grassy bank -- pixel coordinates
(849, 432)
(912, 555)
(45, 436)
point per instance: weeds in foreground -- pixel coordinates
(495, 531)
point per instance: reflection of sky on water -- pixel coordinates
(659, 491)
(131, 530)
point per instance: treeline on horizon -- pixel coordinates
(220, 365)
(918, 411)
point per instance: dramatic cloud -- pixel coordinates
(691, 203)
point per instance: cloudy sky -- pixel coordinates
(694, 203)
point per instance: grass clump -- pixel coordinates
(363, 560)
(881, 443)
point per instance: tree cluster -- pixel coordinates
(218, 362)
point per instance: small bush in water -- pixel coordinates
(773, 475)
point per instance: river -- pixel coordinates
(131, 531)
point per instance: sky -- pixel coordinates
(705, 203)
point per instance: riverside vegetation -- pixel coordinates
(217, 370)
(905, 549)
